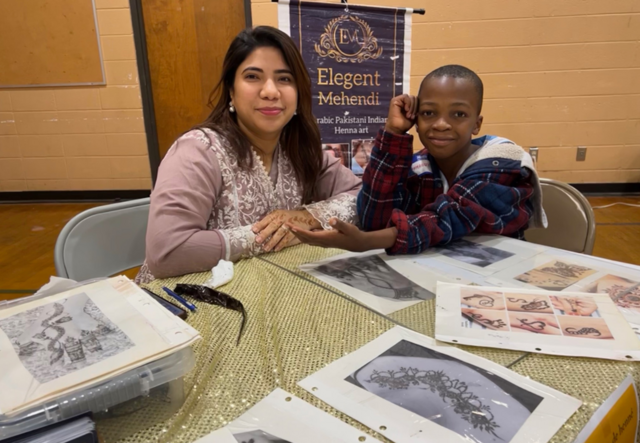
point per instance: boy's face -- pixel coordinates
(448, 116)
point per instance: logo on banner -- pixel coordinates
(348, 39)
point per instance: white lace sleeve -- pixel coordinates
(343, 207)
(240, 243)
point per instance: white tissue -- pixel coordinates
(221, 274)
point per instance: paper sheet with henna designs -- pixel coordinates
(555, 275)
(532, 320)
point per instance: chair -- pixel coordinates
(103, 241)
(572, 224)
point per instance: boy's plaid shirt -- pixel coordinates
(407, 191)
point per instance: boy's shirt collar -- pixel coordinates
(424, 163)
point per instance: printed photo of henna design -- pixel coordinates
(537, 325)
(534, 323)
(575, 306)
(481, 299)
(625, 293)
(528, 303)
(555, 275)
(477, 405)
(474, 253)
(487, 318)
(585, 327)
(583, 331)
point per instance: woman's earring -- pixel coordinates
(232, 109)
(295, 112)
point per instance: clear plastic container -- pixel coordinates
(159, 382)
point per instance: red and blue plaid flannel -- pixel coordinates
(405, 190)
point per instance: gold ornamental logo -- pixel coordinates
(348, 39)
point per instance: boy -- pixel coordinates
(455, 186)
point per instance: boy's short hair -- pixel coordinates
(458, 71)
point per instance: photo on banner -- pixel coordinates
(358, 58)
(410, 388)
(283, 418)
(572, 324)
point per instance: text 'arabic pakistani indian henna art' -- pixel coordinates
(452, 391)
(485, 300)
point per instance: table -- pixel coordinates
(298, 324)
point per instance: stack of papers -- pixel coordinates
(53, 345)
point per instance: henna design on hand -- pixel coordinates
(485, 300)
(493, 323)
(454, 393)
(583, 331)
(537, 325)
(531, 306)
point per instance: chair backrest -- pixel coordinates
(103, 241)
(572, 224)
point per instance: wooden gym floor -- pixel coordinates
(28, 234)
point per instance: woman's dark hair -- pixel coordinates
(300, 138)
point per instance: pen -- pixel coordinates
(190, 306)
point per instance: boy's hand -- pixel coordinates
(342, 236)
(346, 236)
(403, 111)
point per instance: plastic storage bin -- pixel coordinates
(161, 378)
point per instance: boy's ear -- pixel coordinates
(476, 130)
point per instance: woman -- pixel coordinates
(226, 188)
(361, 155)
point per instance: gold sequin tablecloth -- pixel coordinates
(297, 325)
(294, 328)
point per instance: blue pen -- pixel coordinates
(190, 306)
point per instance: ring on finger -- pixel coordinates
(285, 228)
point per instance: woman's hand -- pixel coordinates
(346, 236)
(403, 111)
(275, 235)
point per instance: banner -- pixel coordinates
(358, 58)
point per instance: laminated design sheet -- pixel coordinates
(546, 272)
(62, 342)
(385, 284)
(283, 418)
(482, 254)
(408, 388)
(567, 323)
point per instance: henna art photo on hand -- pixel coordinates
(583, 331)
(555, 275)
(499, 323)
(484, 300)
(536, 325)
